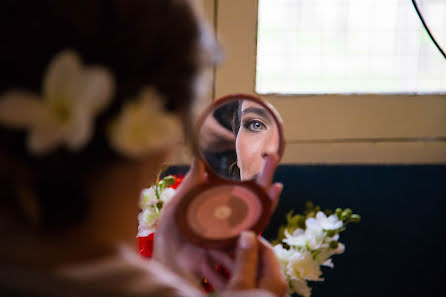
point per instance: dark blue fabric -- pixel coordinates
(398, 248)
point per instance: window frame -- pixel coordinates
(331, 129)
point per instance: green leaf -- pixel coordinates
(159, 187)
(331, 233)
(311, 214)
(309, 205)
(169, 180)
(315, 253)
(338, 212)
(301, 222)
(289, 216)
(163, 168)
(355, 218)
(162, 186)
(157, 210)
(328, 212)
(334, 244)
(346, 214)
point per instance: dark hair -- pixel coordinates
(158, 43)
(234, 170)
(237, 117)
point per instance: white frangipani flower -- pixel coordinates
(302, 266)
(283, 255)
(147, 198)
(301, 253)
(151, 202)
(315, 234)
(328, 263)
(311, 238)
(148, 221)
(324, 254)
(300, 287)
(330, 223)
(144, 126)
(297, 239)
(313, 225)
(63, 115)
(167, 194)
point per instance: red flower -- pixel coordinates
(146, 245)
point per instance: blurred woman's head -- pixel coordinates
(142, 48)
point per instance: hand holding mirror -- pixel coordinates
(234, 137)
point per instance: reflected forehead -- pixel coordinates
(252, 107)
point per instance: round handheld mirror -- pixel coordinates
(232, 139)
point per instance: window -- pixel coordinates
(349, 46)
(352, 128)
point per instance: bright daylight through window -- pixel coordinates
(349, 46)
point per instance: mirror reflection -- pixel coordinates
(235, 137)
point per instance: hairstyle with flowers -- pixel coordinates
(78, 78)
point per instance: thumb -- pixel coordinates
(246, 259)
(274, 194)
(266, 175)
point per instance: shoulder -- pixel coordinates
(129, 273)
(125, 275)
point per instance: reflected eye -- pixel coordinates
(254, 125)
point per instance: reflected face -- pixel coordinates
(257, 137)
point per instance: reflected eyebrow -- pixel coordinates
(256, 110)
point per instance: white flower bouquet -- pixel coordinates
(153, 199)
(304, 244)
(307, 242)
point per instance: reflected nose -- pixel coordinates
(271, 145)
(270, 148)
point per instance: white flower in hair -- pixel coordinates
(143, 126)
(72, 96)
